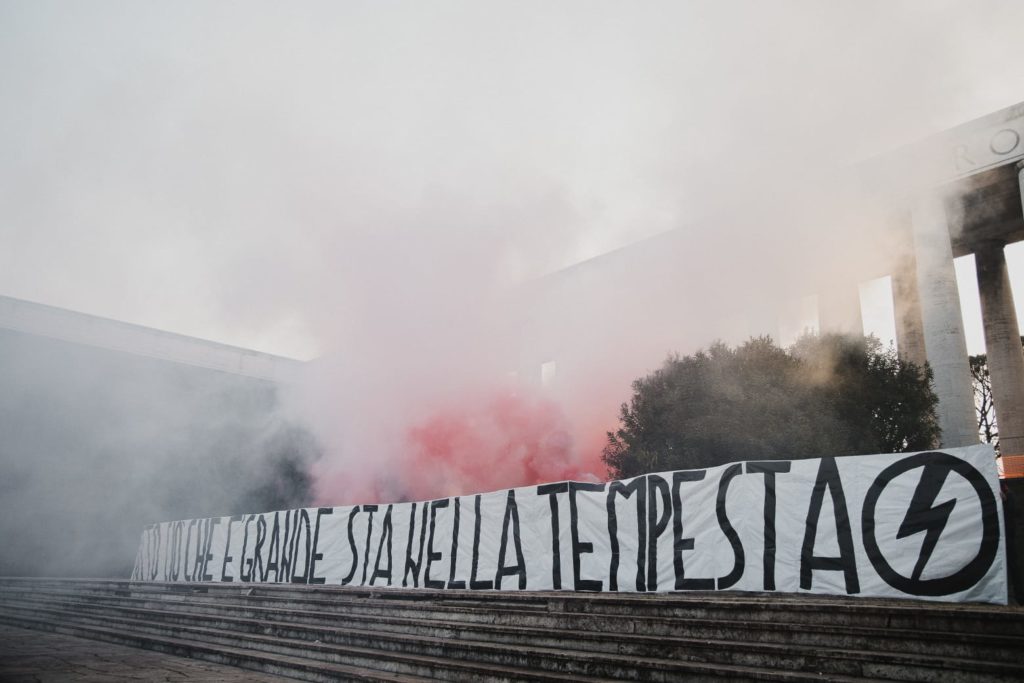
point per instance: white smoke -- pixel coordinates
(380, 186)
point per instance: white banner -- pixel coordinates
(920, 525)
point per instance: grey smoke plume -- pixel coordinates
(97, 443)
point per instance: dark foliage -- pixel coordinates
(826, 395)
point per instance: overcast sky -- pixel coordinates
(263, 174)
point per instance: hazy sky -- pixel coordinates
(273, 174)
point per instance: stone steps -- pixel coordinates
(338, 633)
(465, 606)
(808, 610)
(246, 658)
(991, 632)
(413, 656)
(648, 636)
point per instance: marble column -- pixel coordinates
(906, 303)
(942, 321)
(1002, 345)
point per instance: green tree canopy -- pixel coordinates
(825, 395)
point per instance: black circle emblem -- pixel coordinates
(970, 573)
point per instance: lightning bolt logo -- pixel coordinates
(924, 515)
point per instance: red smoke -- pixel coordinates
(483, 442)
(493, 442)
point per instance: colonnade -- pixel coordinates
(929, 322)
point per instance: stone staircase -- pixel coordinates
(326, 633)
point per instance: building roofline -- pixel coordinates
(115, 335)
(938, 154)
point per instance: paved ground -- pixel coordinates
(39, 656)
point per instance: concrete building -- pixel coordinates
(953, 194)
(968, 201)
(31, 318)
(106, 427)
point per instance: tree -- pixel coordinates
(984, 405)
(825, 395)
(984, 408)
